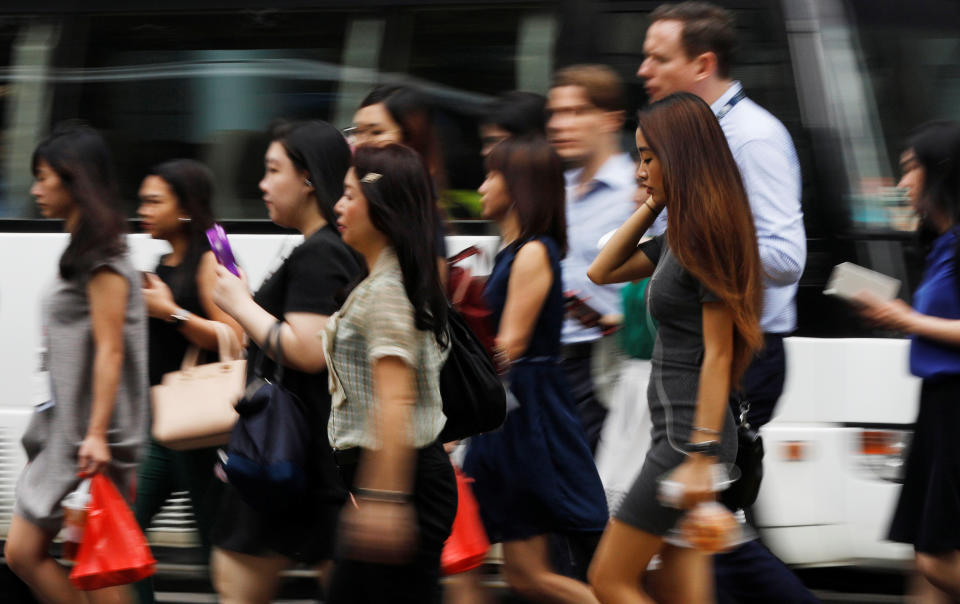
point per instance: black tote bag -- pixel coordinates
(474, 400)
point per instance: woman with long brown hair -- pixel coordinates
(705, 293)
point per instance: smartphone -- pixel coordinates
(577, 308)
(221, 248)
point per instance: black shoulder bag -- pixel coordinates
(267, 456)
(743, 492)
(474, 400)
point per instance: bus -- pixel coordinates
(203, 79)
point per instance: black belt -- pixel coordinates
(578, 350)
(351, 456)
(347, 457)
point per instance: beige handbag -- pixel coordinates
(194, 407)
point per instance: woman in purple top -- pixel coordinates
(926, 515)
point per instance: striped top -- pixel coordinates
(377, 321)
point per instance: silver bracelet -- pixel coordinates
(382, 495)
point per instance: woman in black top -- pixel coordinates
(175, 206)
(305, 167)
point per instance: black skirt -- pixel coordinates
(929, 505)
(306, 535)
(435, 501)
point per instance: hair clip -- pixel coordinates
(371, 177)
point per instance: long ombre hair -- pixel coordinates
(710, 229)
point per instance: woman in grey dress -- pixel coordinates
(95, 330)
(705, 293)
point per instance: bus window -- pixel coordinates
(910, 53)
(25, 54)
(205, 86)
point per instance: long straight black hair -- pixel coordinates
(79, 156)
(192, 184)
(400, 204)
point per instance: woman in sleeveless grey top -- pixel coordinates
(55, 432)
(95, 332)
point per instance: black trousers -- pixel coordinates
(163, 471)
(751, 574)
(418, 582)
(762, 383)
(577, 361)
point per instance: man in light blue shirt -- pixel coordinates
(586, 113)
(688, 48)
(768, 164)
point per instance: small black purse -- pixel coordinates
(743, 492)
(474, 400)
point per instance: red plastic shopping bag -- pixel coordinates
(113, 550)
(467, 546)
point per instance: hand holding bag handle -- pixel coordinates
(228, 347)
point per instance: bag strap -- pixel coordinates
(267, 350)
(190, 358)
(228, 346)
(744, 410)
(227, 343)
(464, 254)
(277, 353)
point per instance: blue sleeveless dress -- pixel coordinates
(535, 475)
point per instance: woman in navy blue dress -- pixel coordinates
(535, 476)
(926, 514)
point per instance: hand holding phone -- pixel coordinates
(221, 248)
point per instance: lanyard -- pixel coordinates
(730, 104)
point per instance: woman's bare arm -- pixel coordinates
(107, 292)
(620, 260)
(527, 289)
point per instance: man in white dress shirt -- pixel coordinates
(688, 48)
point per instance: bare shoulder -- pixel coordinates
(207, 266)
(533, 256)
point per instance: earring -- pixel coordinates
(184, 218)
